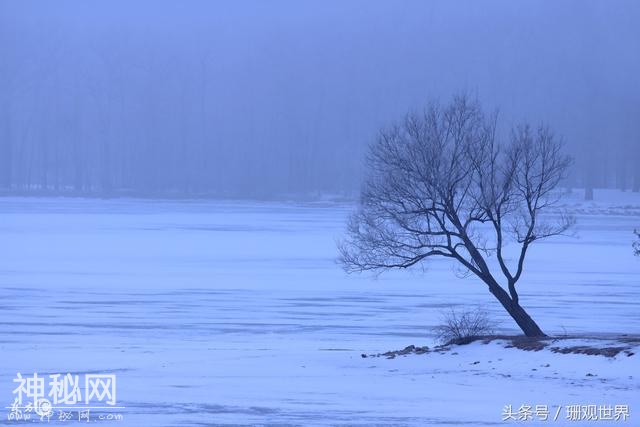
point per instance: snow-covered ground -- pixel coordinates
(235, 313)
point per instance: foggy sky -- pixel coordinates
(272, 97)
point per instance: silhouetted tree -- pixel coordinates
(439, 185)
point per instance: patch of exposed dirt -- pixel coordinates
(624, 344)
(592, 351)
(412, 349)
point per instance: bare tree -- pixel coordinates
(439, 185)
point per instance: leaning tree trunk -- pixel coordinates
(526, 323)
(515, 310)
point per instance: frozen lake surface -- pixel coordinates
(235, 313)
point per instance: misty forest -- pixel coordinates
(251, 99)
(320, 213)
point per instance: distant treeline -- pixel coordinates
(124, 165)
(267, 99)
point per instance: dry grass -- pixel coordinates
(463, 326)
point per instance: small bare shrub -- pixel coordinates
(461, 326)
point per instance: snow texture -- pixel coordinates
(236, 313)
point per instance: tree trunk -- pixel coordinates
(621, 174)
(588, 193)
(517, 313)
(589, 178)
(526, 323)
